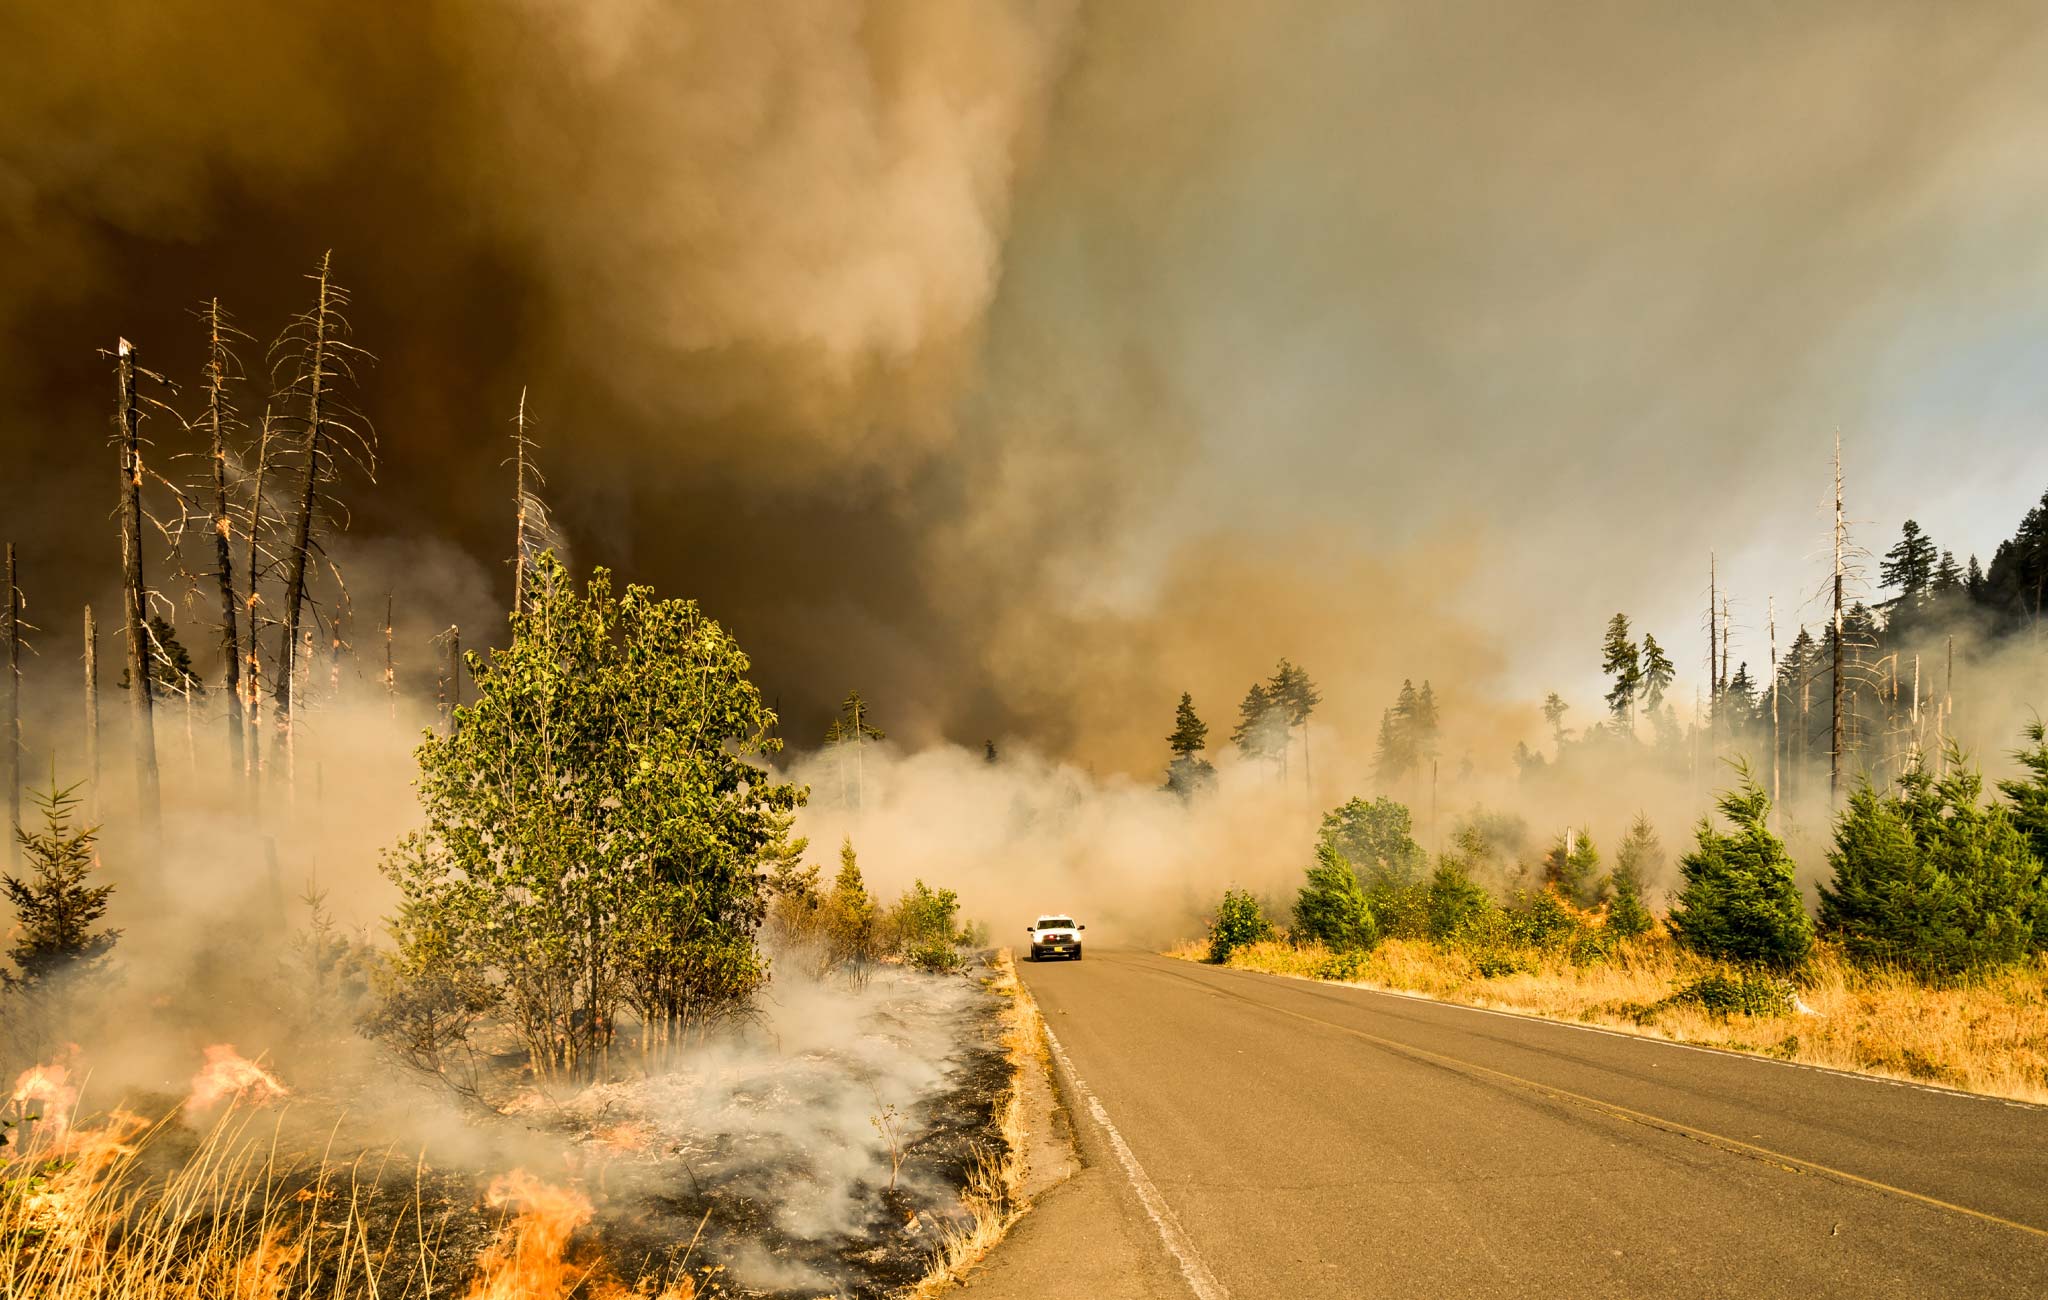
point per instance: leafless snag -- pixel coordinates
(315, 353)
(134, 591)
(92, 716)
(10, 620)
(218, 419)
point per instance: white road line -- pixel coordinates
(1199, 1279)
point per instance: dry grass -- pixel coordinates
(1990, 1037)
(82, 1217)
(994, 1197)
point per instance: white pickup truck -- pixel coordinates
(1055, 936)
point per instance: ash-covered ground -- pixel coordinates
(822, 1151)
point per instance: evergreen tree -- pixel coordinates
(1657, 672)
(1377, 838)
(1640, 857)
(2029, 793)
(1740, 902)
(1187, 771)
(2017, 580)
(1423, 724)
(1973, 580)
(1294, 698)
(1739, 702)
(1932, 880)
(988, 752)
(1331, 907)
(1909, 566)
(850, 917)
(1554, 709)
(1261, 731)
(1454, 902)
(1622, 662)
(852, 725)
(1948, 575)
(55, 909)
(1408, 734)
(1574, 870)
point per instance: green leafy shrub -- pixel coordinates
(1239, 921)
(1592, 945)
(1377, 837)
(1494, 962)
(1453, 902)
(1541, 920)
(1751, 994)
(1930, 880)
(1402, 911)
(1331, 907)
(1348, 964)
(1740, 903)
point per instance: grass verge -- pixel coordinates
(1989, 1037)
(994, 1198)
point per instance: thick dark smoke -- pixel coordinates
(1024, 363)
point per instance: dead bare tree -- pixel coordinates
(315, 352)
(218, 420)
(1771, 630)
(449, 680)
(1713, 650)
(252, 692)
(390, 662)
(134, 592)
(92, 717)
(1839, 684)
(11, 621)
(533, 527)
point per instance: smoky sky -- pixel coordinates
(1023, 364)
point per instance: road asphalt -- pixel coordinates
(1245, 1135)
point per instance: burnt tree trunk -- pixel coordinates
(92, 717)
(11, 620)
(218, 413)
(252, 697)
(300, 541)
(1835, 739)
(134, 595)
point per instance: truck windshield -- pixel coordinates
(1056, 923)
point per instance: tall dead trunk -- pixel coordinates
(252, 687)
(390, 663)
(10, 627)
(218, 417)
(1713, 646)
(519, 510)
(92, 717)
(1841, 539)
(134, 595)
(315, 377)
(1771, 630)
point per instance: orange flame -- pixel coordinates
(230, 1074)
(527, 1261)
(45, 1093)
(530, 1259)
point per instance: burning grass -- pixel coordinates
(750, 1171)
(1989, 1037)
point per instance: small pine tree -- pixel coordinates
(1640, 857)
(1621, 660)
(1239, 921)
(1455, 900)
(55, 909)
(1574, 870)
(1740, 902)
(1331, 907)
(850, 916)
(1931, 880)
(1187, 772)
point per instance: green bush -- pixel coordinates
(1492, 963)
(1640, 856)
(934, 955)
(1402, 911)
(1752, 994)
(1331, 907)
(1453, 902)
(1740, 903)
(1239, 921)
(1574, 870)
(1349, 964)
(1930, 880)
(1377, 837)
(1541, 920)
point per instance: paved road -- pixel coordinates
(1250, 1136)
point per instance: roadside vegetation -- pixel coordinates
(1927, 959)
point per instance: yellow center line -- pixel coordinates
(1732, 1145)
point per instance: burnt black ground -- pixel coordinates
(1314, 1140)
